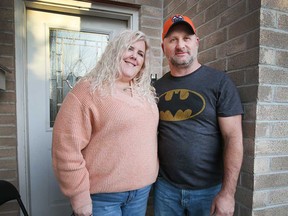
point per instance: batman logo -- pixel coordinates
(180, 104)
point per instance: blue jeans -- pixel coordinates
(130, 203)
(172, 201)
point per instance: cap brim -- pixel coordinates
(177, 23)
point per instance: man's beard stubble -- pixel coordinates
(186, 63)
(182, 64)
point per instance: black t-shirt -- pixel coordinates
(189, 138)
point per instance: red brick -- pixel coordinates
(281, 94)
(215, 38)
(151, 12)
(7, 50)
(232, 14)
(272, 75)
(7, 96)
(6, 4)
(207, 56)
(7, 120)
(273, 39)
(283, 22)
(244, 59)
(7, 14)
(281, 58)
(273, 112)
(244, 25)
(8, 131)
(268, 18)
(11, 141)
(281, 5)
(6, 26)
(149, 3)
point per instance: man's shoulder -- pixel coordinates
(212, 70)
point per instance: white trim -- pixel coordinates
(71, 6)
(92, 9)
(21, 105)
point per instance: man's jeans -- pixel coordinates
(130, 203)
(172, 201)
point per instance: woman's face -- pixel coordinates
(132, 61)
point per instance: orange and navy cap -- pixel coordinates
(175, 20)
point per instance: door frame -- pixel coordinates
(130, 14)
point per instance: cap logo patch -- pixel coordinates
(177, 18)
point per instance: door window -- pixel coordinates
(72, 55)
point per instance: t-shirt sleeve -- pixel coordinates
(229, 102)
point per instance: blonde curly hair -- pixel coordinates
(104, 75)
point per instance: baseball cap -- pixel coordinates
(178, 18)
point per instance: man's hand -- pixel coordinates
(223, 205)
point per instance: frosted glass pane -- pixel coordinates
(72, 55)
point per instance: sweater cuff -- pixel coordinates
(81, 200)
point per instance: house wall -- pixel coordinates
(270, 195)
(248, 39)
(8, 139)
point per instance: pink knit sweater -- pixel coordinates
(104, 144)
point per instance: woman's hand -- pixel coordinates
(84, 211)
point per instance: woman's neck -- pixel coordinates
(126, 87)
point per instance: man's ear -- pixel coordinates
(198, 40)
(162, 45)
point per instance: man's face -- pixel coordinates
(180, 46)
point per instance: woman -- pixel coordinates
(104, 139)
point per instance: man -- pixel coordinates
(200, 134)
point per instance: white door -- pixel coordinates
(60, 48)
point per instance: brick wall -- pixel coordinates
(271, 134)
(8, 142)
(248, 39)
